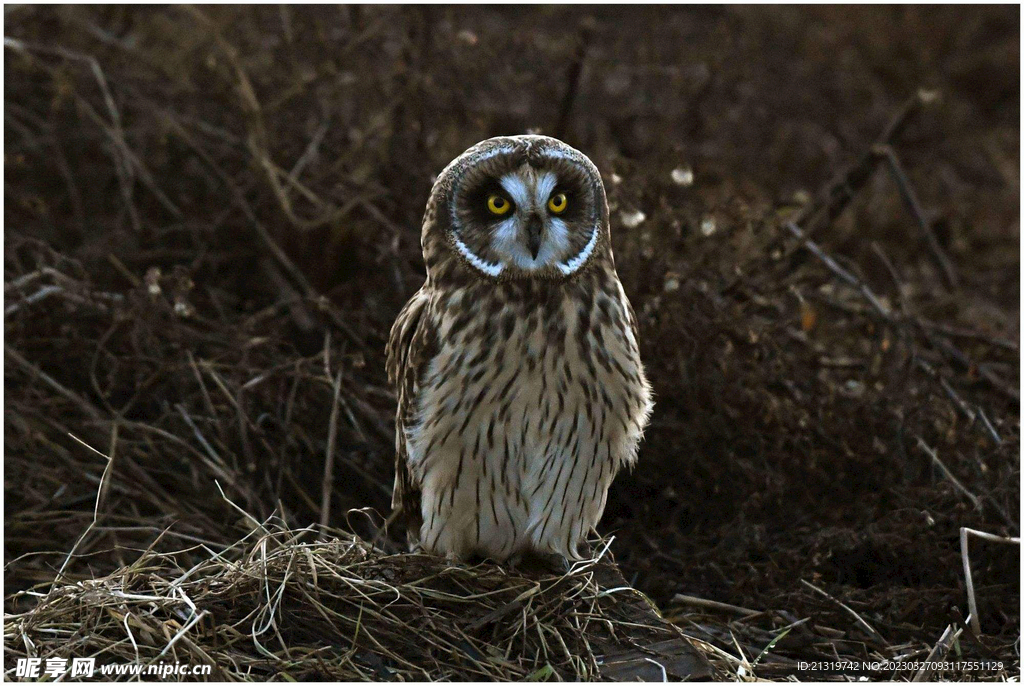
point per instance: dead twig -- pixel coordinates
(68, 394)
(972, 602)
(835, 197)
(975, 500)
(843, 274)
(694, 601)
(954, 332)
(100, 493)
(910, 198)
(572, 81)
(894, 275)
(938, 651)
(328, 482)
(860, 620)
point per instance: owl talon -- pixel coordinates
(541, 563)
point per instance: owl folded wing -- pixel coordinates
(410, 348)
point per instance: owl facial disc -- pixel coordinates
(532, 207)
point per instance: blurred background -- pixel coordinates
(212, 218)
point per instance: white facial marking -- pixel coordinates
(575, 263)
(516, 187)
(506, 235)
(488, 268)
(558, 233)
(545, 185)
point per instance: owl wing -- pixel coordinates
(410, 348)
(631, 320)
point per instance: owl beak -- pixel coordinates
(534, 230)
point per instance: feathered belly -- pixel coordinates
(516, 457)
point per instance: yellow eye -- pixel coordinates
(558, 203)
(498, 205)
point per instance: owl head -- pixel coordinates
(517, 207)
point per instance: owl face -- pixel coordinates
(524, 207)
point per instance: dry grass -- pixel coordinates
(281, 604)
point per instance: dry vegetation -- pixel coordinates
(281, 604)
(210, 224)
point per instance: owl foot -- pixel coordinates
(534, 563)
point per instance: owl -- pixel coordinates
(521, 393)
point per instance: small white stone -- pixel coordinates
(615, 179)
(853, 388)
(468, 37)
(153, 275)
(682, 176)
(708, 226)
(671, 284)
(632, 219)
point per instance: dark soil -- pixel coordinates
(156, 157)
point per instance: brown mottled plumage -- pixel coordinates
(520, 388)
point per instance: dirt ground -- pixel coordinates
(212, 218)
